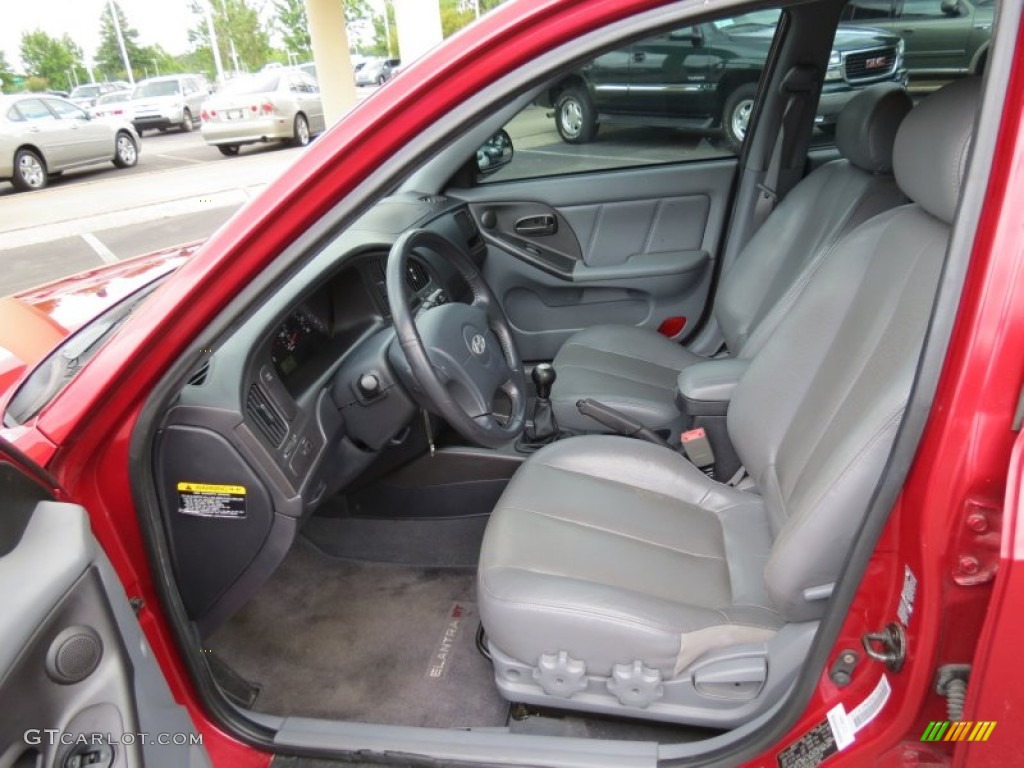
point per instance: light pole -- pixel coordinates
(387, 26)
(120, 40)
(213, 41)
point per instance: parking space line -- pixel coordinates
(102, 251)
(182, 159)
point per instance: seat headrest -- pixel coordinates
(867, 125)
(933, 144)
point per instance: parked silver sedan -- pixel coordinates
(281, 104)
(42, 136)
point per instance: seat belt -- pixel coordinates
(798, 85)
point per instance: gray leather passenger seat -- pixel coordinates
(634, 369)
(616, 577)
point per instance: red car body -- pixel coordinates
(968, 468)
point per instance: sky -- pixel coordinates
(163, 22)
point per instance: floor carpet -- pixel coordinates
(368, 642)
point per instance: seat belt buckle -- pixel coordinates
(768, 192)
(697, 449)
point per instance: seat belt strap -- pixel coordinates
(800, 82)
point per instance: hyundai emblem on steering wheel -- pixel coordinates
(478, 344)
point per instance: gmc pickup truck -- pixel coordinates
(705, 76)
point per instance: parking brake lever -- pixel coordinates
(618, 422)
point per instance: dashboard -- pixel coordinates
(296, 404)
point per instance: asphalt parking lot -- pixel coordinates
(182, 190)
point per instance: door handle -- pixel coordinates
(639, 57)
(537, 226)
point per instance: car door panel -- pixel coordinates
(632, 246)
(72, 654)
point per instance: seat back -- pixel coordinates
(815, 416)
(774, 266)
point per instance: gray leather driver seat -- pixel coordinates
(634, 369)
(615, 577)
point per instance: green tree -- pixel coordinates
(456, 14)
(290, 20)
(380, 47)
(237, 23)
(108, 55)
(6, 74)
(51, 58)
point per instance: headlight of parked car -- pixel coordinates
(834, 71)
(899, 53)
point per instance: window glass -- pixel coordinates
(920, 9)
(34, 109)
(684, 95)
(65, 110)
(867, 10)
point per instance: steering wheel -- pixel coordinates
(461, 356)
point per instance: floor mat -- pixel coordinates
(368, 642)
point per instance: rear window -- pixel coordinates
(256, 84)
(160, 88)
(85, 90)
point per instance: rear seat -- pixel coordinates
(634, 370)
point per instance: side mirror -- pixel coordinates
(495, 153)
(950, 7)
(692, 35)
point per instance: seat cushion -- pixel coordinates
(617, 551)
(633, 370)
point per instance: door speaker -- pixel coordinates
(74, 655)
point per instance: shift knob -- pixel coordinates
(543, 378)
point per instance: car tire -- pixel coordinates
(29, 171)
(126, 151)
(381, 80)
(186, 122)
(300, 131)
(575, 116)
(739, 106)
(228, 150)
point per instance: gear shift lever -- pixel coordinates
(545, 428)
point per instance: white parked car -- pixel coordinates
(116, 105)
(41, 136)
(282, 104)
(170, 101)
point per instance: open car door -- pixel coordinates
(79, 685)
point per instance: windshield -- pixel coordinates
(60, 366)
(85, 90)
(255, 84)
(159, 88)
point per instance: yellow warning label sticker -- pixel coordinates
(211, 500)
(234, 490)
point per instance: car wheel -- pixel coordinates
(228, 150)
(186, 122)
(575, 116)
(736, 115)
(126, 154)
(300, 134)
(381, 80)
(29, 171)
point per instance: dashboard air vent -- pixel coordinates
(416, 276)
(198, 378)
(269, 422)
